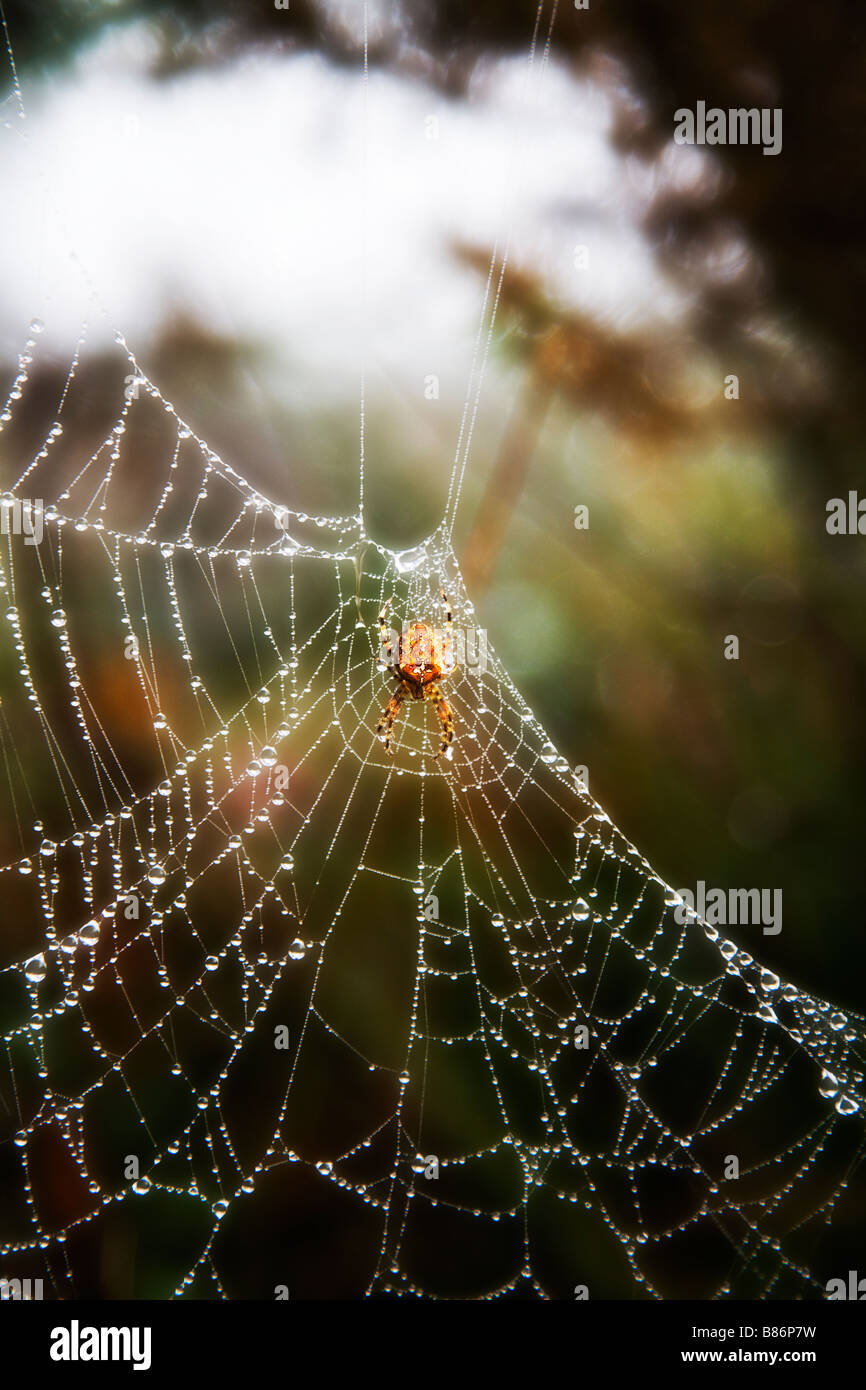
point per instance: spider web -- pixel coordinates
(212, 846)
(281, 1013)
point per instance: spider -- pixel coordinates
(424, 657)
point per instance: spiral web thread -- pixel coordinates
(205, 843)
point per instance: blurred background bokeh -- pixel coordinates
(262, 230)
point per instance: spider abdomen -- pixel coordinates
(422, 654)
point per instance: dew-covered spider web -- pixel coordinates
(285, 1015)
(367, 1024)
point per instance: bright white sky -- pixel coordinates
(243, 195)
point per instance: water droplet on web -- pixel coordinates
(58, 618)
(156, 875)
(837, 1022)
(847, 1105)
(407, 560)
(297, 950)
(549, 753)
(580, 910)
(89, 934)
(324, 1168)
(141, 1187)
(36, 326)
(212, 963)
(829, 1084)
(268, 756)
(769, 981)
(254, 768)
(36, 969)
(287, 862)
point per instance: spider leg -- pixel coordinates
(446, 719)
(389, 714)
(385, 638)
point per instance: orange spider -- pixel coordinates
(424, 657)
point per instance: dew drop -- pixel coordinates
(829, 1084)
(89, 934)
(408, 560)
(36, 969)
